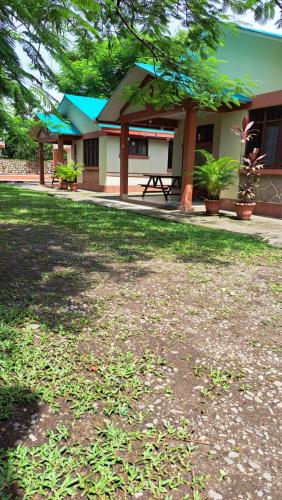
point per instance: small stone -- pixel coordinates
(138, 495)
(277, 383)
(259, 493)
(149, 425)
(233, 454)
(215, 495)
(34, 326)
(267, 476)
(228, 461)
(241, 468)
(32, 437)
(253, 465)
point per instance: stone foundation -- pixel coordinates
(13, 166)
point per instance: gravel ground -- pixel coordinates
(195, 343)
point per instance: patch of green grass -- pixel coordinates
(127, 236)
(109, 468)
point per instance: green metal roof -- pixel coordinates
(89, 106)
(156, 71)
(260, 32)
(57, 126)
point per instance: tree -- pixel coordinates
(97, 67)
(264, 10)
(40, 27)
(34, 25)
(18, 144)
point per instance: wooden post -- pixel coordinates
(55, 159)
(60, 155)
(41, 163)
(188, 160)
(124, 160)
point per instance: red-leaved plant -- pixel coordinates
(250, 165)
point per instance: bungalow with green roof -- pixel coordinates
(97, 144)
(118, 140)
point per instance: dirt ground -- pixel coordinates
(150, 378)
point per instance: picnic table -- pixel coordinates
(158, 182)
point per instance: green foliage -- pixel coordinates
(70, 171)
(98, 66)
(39, 24)
(15, 132)
(215, 175)
(263, 10)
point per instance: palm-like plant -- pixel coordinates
(215, 175)
(70, 171)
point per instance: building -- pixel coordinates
(97, 144)
(247, 52)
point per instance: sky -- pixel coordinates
(247, 20)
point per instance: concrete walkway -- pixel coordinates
(266, 228)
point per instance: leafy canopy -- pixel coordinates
(36, 28)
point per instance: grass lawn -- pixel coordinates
(139, 358)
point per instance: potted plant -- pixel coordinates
(214, 176)
(68, 174)
(251, 166)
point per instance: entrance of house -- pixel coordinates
(170, 154)
(204, 140)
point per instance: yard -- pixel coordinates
(139, 358)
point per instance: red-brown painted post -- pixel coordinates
(41, 163)
(55, 159)
(60, 154)
(124, 160)
(189, 142)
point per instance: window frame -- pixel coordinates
(91, 152)
(262, 124)
(138, 140)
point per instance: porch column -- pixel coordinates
(124, 160)
(41, 163)
(188, 160)
(60, 155)
(55, 159)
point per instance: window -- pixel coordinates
(268, 135)
(91, 152)
(205, 134)
(138, 147)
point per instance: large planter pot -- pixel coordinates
(244, 210)
(212, 207)
(63, 185)
(73, 186)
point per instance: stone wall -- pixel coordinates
(12, 166)
(269, 188)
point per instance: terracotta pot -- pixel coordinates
(73, 186)
(63, 185)
(212, 207)
(244, 210)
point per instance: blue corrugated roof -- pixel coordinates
(57, 126)
(156, 71)
(89, 106)
(140, 129)
(260, 32)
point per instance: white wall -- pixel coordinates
(177, 148)
(103, 158)
(156, 163)
(80, 120)
(255, 55)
